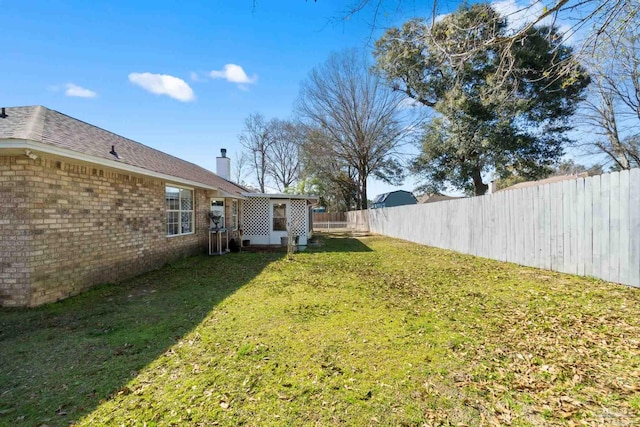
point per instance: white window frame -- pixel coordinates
(283, 220)
(180, 211)
(235, 206)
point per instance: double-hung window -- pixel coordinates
(179, 207)
(234, 215)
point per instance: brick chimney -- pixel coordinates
(223, 165)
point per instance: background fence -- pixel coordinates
(329, 220)
(329, 225)
(329, 217)
(586, 226)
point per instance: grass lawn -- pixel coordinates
(360, 331)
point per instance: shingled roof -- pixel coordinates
(52, 128)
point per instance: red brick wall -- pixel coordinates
(83, 225)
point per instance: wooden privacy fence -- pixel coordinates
(329, 217)
(329, 220)
(585, 226)
(358, 220)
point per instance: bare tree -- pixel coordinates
(240, 168)
(256, 138)
(283, 154)
(601, 113)
(363, 121)
(613, 109)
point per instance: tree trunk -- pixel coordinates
(610, 124)
(363, 194)
(479, 187)
(263, 169)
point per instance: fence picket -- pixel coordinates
(566, 226)
(614, 227)
(605, 188)
(547, 227)
(625, 228)
(556, 228)
(580, 240)
(588, 227)
(596, 262)
(574, 225)
(634, 228)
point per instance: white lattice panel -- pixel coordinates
(299, 216)
(256, 217)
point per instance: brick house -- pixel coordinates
(81, 206)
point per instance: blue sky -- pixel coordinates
(180, 77)
(88, 59)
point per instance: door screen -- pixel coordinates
(279, 217)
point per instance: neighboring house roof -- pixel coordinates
(53, 129)
(393, 198)
(381, 198)
(435, 197)
(549, 180)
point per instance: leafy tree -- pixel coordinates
(565, 167)
(485, 119)
(361, 120)
(323, 174)
(570, 167)
(592, 21)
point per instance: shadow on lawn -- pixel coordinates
(57, 362)
(339, 242)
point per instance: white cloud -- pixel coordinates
(78, 91)
(517, 15)
(440, 17)
(521, 14)
(195, 76)
(163, 84)
(233, 73)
